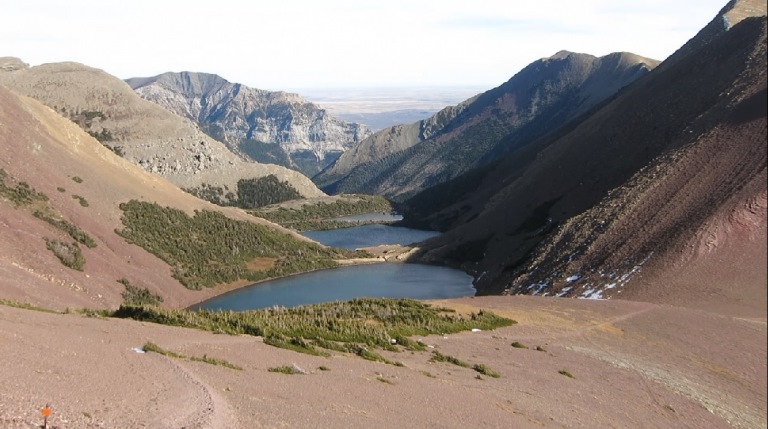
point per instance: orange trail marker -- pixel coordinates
(46, 412)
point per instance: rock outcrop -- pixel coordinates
(275, 127)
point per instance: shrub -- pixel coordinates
(133, 295)
(519, 345)
(385, 380)
(439, 357)
(482, 369)
(69, 254)
(24, 305)
(82, 200)
(154, 348)
(355, 326)
(64, 225)
(210, 248)
(285, 369)
(566, 373)
(214, 361)
(21, 194)
(77, 179)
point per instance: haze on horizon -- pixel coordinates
(342, 43)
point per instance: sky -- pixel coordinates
(292, 44)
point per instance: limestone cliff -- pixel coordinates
(267, 126)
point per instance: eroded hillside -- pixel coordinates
(668, 175)
(144, 133)
(79, 222)
(400, 161)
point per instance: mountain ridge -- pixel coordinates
(399, 161)
(146, 134)
(629, 185)
(266, 126)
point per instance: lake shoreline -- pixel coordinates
(383, 254)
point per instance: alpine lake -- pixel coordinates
(381, 280)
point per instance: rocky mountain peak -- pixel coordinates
(267, 126)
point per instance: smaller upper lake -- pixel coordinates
(385, 280)
(371, 217)
(369, 236)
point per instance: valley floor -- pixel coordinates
(632, 365)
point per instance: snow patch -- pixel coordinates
(539, 288)
(593, 293)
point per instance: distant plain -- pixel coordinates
(379, 108)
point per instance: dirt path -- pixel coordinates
(632, 365)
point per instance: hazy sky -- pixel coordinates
(289, 44)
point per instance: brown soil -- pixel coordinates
(701, 370)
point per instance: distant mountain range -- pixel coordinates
(658, 193)
(402, 160)
(269, 127)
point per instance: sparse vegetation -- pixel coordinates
(80, 199)
(154, 348)
(72, 230)
(355, 326)
(323, 368)
(133, 295)
(77, 179)
(69, 254)
(24, 305)
(214, 361)
(316, 216)
(210, 248)
(385, 380)
(483, 369)
(286, 369)
(439, 357)
(565, 373)
(117, 150)
(60, 189)
(519, 345)
(21, 194)
(214, 194)
(103, 136)
(296, 344)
